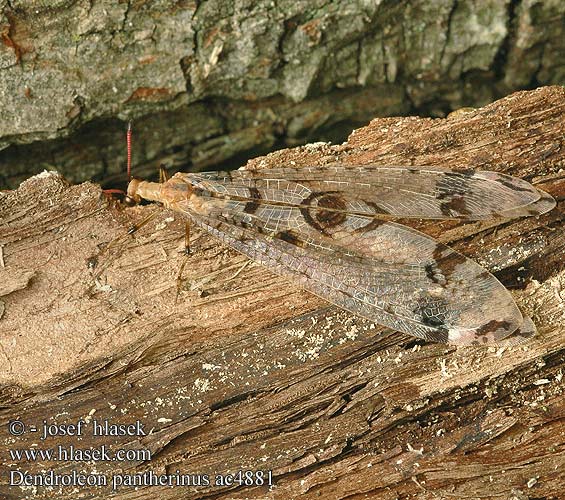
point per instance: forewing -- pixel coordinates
(390, 191)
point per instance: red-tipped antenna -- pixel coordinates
(128, 140)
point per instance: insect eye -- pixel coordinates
(129, 201)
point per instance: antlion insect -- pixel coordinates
(331, 229)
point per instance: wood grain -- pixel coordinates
(246, 371)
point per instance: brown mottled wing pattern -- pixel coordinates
(396, 191)
(322, 227)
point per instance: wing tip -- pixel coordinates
(540, 202)
(526, 331)
(494, 332)
(545, 203)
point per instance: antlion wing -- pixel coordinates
(403, 192)
(332, 243)
(390, 274)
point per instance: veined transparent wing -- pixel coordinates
(390, 191)
(390, 274)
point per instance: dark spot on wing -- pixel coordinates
(321, 219)
(305, 211)
(492, 326)
(456, 205)
(447, 260)
(332, 217)
(510, 185)
(431, 273)
(432, 321)
(450, 190)
(434, 312)
(378, 209)
(290, 237)
(467, 172)
(252, 205)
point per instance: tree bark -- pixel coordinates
(237, 369)
(211, 83)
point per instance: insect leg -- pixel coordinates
(135, 227)
(187, 238)
(186, 253)
(163, 176)
(92, 262)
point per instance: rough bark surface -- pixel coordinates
(243, 371)
(214, 81)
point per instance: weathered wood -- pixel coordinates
(245, 371)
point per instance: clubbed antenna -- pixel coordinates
(128, 140)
